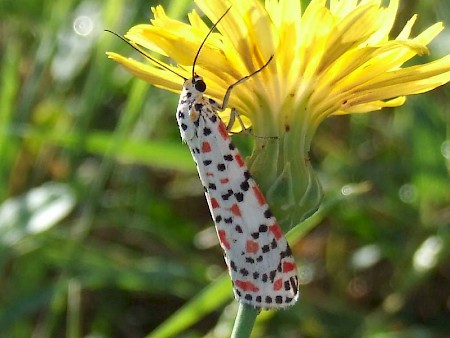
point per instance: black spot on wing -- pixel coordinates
(206, 131)
(239, 196)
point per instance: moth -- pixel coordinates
(258, 257)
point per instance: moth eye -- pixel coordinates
(200, 85)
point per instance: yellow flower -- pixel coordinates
(329, 60)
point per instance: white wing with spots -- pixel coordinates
(258, 256)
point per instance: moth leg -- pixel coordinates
(226, 98)
(236, 116)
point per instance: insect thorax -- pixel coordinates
(194, 106)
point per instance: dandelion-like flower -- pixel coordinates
(327, 61)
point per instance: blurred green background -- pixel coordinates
(104, 229)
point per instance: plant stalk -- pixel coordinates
(245, 320)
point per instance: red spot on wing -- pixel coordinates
(224, 180)
(251, 247)
(288, 266)
(259, 195)
(223, 239)
(210, 174)
(246, 286)
(278, 284)
(206, 147)
(235, 210)
(214, 203)
(239, 160)
(223, 131)
(276, 230)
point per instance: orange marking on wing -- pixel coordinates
(223, 131)
(278, 284)
(246, 286)
(239, 160)
(206, 147)
(288, 266)
(251, 247)
(223, 239)
(235, 210)
(276, 230)
(214, 203)
(210, 174)
(224, 180)
(259, 195)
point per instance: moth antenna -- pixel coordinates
(145, 54)
(204, 40)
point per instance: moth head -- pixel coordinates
(198, 84)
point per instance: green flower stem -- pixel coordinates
(280, 162)
(245, 320)
(282, 169)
